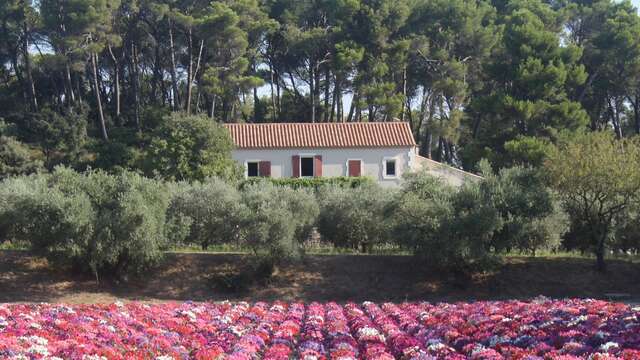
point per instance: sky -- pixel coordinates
(636, 3)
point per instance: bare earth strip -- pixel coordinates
(341, 278)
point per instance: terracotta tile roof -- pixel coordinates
(321, 135)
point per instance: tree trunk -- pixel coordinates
(404, 93)
(636, 111)
(136, 85)
(273, 95)
(69, 86)
(600, 264)
(116, 80)
(312, 93)
(174, 79)
(103, 125)
(327, 84)
(352, 108)
(189, 71)
(27, 64)
(213, 107)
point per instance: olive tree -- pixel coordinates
(276, 219)
(354, 217)
(597, 177)
(211, 210)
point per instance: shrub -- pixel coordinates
(447, 227)
(128, 225)
(354, 217)
(276, 220)
(15, 159)
(191, 147)
(101, 223)
(314, 183)
(211, 210)
(532, 216)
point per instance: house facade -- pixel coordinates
(383, 151)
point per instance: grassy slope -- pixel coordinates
(188, 276)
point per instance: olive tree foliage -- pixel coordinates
(354, 218)
(276, 220)
(210, 210)
(598, 179)
(447, 227)
(460, 228)
(191, 147)
(31, 210)
(531, 213)
(101, 223)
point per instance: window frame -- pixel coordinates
(246, 168)
(385, 160)
(313, 164)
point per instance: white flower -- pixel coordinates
(164, 357)
(38, 349)
(192, 317)
(37, 340)
(35, 326)
(118, 303)
(477, 349)
(20, 357)
(93, 357)
(3, 322)
(578, 320)
(369, 332)
(609, 345)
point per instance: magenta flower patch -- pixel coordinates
(541, 329)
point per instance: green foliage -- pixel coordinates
(314, 183)
(16, 159)
(276, 220)
(60, 135)
(446, 227)
(525, 151)
(354, 218)
(105, 224)
(465, 227)
(596, 176)
(189, 147)
(210, 210)
(532, 217)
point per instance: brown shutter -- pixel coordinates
(295, 166)
(354, 168)
(317, 166)
(265, 168)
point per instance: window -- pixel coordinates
(390, 168)
(306, 166)
(252, 169)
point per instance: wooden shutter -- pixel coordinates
(265, 168)
(317, 166)
(295, 166)
(355, 167)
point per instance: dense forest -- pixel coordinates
(85, 82)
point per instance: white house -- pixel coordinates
(380, 150)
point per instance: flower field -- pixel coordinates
(541, 329)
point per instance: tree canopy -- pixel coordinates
(475, 79)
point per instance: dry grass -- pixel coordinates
(24, 278)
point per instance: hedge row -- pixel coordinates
(314, 183)
(120, 224)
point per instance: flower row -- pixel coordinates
(539, 329)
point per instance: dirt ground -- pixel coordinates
(341, 278)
